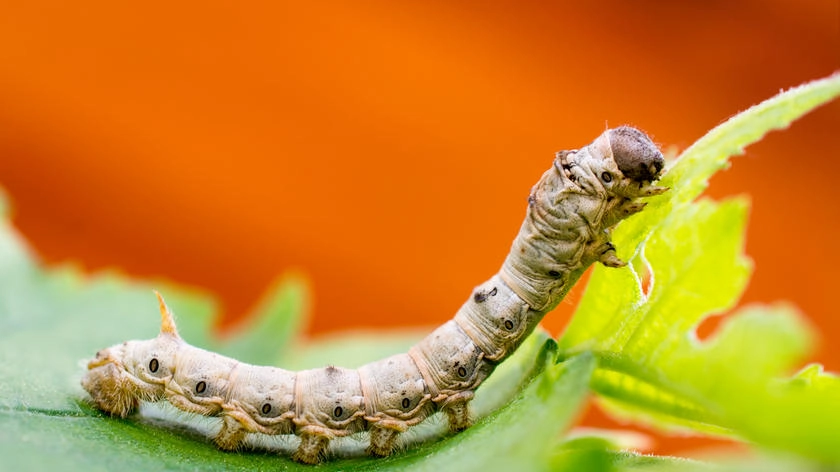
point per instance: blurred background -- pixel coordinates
(386, 149)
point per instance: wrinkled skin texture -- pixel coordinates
(566, 229)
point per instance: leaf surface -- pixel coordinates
(687, 263)
(53, 321)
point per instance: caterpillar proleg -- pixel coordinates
(571, 211)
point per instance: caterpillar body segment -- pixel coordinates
(571, 211)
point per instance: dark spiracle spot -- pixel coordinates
(266, 409)
(338, 412)
(462, 372)
(509, 325)
(406, 402)
(200, 387)
(606, 177)
(554, 273)
(153, 365)
(481, 296)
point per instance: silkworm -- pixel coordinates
(570, 214)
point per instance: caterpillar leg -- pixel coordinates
(312, 449)
(458, 412)
(382, 441)
(231, 436)
(608, 256)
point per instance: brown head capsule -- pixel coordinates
(635, 154)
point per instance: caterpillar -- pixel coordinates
(571, 211)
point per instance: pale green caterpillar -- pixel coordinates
(567, 228)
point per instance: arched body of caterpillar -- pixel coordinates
(571, 211)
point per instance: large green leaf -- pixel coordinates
(687, 263)
(52, 321)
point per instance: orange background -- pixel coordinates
(386, 149)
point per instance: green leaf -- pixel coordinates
(598, 453)
(53, 321)
(277, 321)
(689, 175)
(687, 263)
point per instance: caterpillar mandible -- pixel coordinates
(571, 211)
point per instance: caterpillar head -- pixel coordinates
(120, 376)
(622, 161)
(636, 156)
